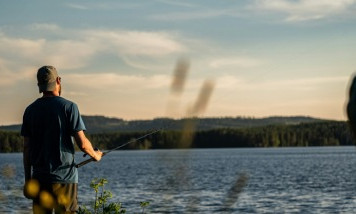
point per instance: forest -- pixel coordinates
(102, 124)
(327, 133)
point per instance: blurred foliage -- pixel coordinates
(8, 171)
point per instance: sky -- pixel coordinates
(117, 58)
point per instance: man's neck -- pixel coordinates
(50, 94)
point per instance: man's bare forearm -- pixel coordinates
(85, 145)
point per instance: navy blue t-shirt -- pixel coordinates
(50, 123)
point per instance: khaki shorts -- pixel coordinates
(60, 197)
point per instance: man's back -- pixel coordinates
(48, 126)
(49, 122)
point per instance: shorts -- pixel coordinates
(60, 197)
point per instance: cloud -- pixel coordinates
(17, 59)
(20, 46)
(117, 82)
(235, 62)
(229, 82)
(24, 51)
(139, 49)
(192, 15)
(68, 54)
(113, 81)
(74, 49)
(303, 10)
(77, 6)
(138, 42)
(44, 27)
(186, 11)
(104, 5)
(10, 76)
(177, 3)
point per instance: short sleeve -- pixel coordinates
(76, 123)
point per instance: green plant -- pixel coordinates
(143, 205)
(101, 205)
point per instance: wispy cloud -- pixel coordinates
(19, 51)
(79, 47)
(9, 75)
(178, 3)
(303, 10)
(235, 62)
(229, 82)
(102, 5)
(111, 82)
(77, 6)
(138, 42)
(117, 82)
(192, 15)
(23, 47)
(44, 27)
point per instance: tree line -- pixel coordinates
(330, 133)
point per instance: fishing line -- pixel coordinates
(116, 148)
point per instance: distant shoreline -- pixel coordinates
(100, 124)
(302, 134)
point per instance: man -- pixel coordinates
(351, 106)
(49, 124)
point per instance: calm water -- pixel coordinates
(277, 180)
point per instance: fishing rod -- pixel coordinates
(116, 148)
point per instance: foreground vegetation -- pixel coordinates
(101, 204)
(305, 134)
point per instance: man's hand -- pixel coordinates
(85, 145)
(98, 155)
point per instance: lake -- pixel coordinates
(251, 180)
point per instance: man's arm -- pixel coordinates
(26, 159)
(85, 145)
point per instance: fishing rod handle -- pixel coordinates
(84, 162)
